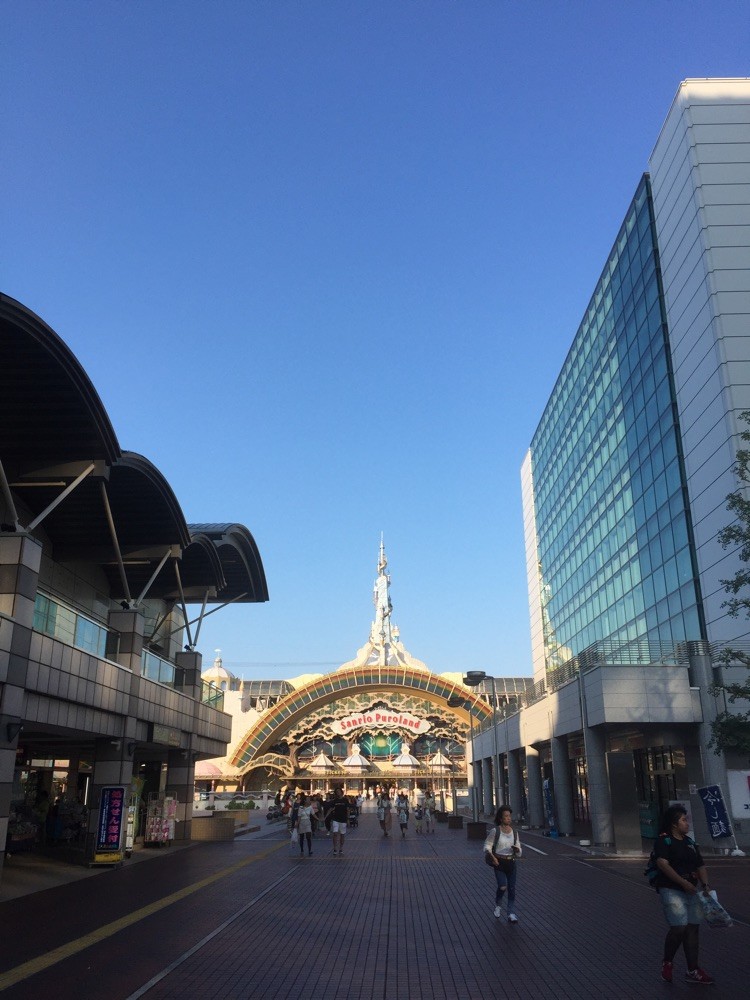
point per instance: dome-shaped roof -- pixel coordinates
(217, 672)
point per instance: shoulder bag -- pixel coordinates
(505, 861)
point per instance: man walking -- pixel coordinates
(339, 813)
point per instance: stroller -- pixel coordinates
(353, 816)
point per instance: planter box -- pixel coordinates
(455, 822)
(220, 827)
(242, 816)
(442, 817)
(476, 831)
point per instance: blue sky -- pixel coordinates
(323, 262)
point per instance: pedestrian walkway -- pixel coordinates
(392, 919)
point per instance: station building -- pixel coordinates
(103, 588)
(383, 718)
(625, 488)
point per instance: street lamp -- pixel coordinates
(472, 678)
(496, 769)
(456, 702)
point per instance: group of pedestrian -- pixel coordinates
(680, 879)
(306, 813)
(680, 869)
(424, 811)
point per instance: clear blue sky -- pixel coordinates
(323, 262)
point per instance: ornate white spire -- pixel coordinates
(384, 645)
(381, 628)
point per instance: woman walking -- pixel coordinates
(680, 869)
(502, 848)
(429, 811)
(304, 826)
(402, 811)
(384, 811)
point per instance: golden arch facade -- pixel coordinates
(288, 734)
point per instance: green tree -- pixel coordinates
(730, 730)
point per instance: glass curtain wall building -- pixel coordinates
(625, 488)
(610, 528)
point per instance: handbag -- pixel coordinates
(505, 862)
(713, 912)
(295, 836)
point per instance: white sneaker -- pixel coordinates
(498, 911)
(512, 918)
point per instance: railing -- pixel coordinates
(508, 710)
(639, 652)
(157, 669)
(62, 622)
(730, 654)
(607, 653)
(212, 695)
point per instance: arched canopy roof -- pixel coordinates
(54, 433)
(57, 414)
(240, 560)
(271, 726)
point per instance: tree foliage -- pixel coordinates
(731, 730)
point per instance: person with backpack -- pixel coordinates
(679, 868)
(502, 848)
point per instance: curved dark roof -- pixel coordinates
(201, 562)
(144, 496)
(240, 560)
(57, 414)
(53, 426)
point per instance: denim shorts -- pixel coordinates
(680, 908)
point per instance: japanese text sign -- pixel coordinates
(716, 813)
(111, 818)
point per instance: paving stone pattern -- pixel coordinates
(390, 920)
(413, 920)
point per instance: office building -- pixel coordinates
(624, 491)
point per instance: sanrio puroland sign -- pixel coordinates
(381, 719)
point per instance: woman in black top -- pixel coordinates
(680, 869)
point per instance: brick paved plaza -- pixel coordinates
(392, 919)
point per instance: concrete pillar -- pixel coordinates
(503, 786)
(534, 791)
(181, 785)
(702, 677)
(476, 769)
(515, 785)
(188, 666)
(563, 789)
(600, 801)
(20, 558)
(487, 786)
(130, 625)
(112, 766)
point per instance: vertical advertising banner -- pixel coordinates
(716, 813)
(739, 793)
(112, 816)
